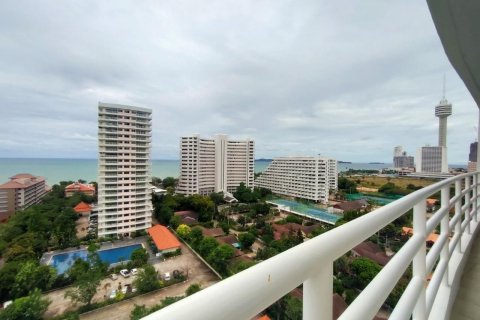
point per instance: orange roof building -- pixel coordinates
(82, 207)
(432, 237)
(164, 239)
(87, 189)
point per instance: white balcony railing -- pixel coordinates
(250, 292)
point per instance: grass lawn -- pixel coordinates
(377, 182)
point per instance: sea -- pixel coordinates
(56, 170)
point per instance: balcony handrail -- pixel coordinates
(251, 291)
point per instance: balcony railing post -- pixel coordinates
(444, 231)
(475, 195)
(468, 195)
(419, 261)
(458, 212)
(317, 294)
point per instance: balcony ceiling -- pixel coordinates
(458, 25)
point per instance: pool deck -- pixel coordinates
(288, 209)
(47, 256)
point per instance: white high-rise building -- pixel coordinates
(124, 169)
(215, 165)
(429, 159)
(303, 177)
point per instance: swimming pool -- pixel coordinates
(306, 210)
(63, 261)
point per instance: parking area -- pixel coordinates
(188, 263)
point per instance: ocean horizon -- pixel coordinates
(63, 169)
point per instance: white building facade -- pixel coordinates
(431, 159)
(124, 169)
(302, 177)
(215, 165)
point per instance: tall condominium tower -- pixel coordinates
(124, 142)
(302, 177)
(398, 151)
(214, 165)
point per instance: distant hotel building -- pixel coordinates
(22, 191)
(429, 159)
(401, 160)
(472, 157)
(215, 165)
(303, 177)
(124, 196)
(88, 189)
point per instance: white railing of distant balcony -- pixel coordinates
(248, 293)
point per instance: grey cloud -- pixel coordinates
(345, 79)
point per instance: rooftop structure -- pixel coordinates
(22, 191)
(124, 196)
(82, 208)
(303, 177)
(215, 165)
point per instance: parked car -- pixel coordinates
(125, 273)
(114, 276)
(167, 276)
(134, 271)
(113, 294)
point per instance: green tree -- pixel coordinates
(184, 231)
(196, 235)
(193, 288)
(217, 198)
(32, 275)
(147, 279)
(293, 308)
(206, 246)
(7, 278)
(246, 239)
(245, 194)
(220, 256)
(365, 270)
(139, 257)
(164, 214)
(346, 185)
(168, 182)
(78, 268)
(31, 307)
(175, 221)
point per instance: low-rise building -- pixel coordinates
(87, 189)
(187, 217)
(164, 240)
(22, 191)
(355, 205)
(309, 178)
(83, 209)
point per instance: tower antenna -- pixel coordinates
(444, 85)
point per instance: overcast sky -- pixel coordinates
(346, 79)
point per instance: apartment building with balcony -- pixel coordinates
(301, 177)
(124, 169)
(22, 191)
(214, 165)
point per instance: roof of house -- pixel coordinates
(163, 238)
(264, 317)
(82, 207)
(432, 237)
(230, 239)
(371, 251)
(188, 217)
(351, 205)
(80, 187)
(214, 232)
(339, 305)
(281, 229)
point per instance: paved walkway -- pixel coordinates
(467, 303)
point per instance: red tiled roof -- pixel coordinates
(22, 176)
(82, 207)
(432, 237)
(339, 305)
(371, 251)
(163, 238)
(79, 187)
(12, 185)
(214, 232)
